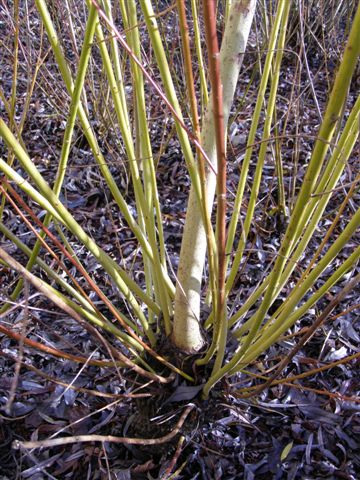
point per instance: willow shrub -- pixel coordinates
(128, 61)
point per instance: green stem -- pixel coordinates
(65, 150)
(336, 101)
(316, 206)
(89, 134)
(251, 141)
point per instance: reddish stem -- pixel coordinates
(209, 7)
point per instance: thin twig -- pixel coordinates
(106, 438)
(167, 474)
(25, 323)
(87, 391)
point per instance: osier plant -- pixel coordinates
(176, 303)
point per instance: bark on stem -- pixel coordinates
(186, 334)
